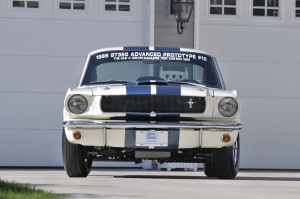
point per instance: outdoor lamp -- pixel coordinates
(183, 10)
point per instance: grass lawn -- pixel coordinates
(11, 190)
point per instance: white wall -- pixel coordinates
(41, 56)
(260, 58)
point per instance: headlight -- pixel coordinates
(228, 107)
(77, 104)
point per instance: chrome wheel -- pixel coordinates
(235, 153)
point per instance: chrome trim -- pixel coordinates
(221, 80)
(165, 125)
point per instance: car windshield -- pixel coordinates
(124, 66)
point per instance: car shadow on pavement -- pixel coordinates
(161, 177)
(279, 179)
(248, 178)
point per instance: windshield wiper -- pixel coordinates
(109, 82)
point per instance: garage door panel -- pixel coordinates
(270, 115)
(31, 111)
(270, 151)
(30, 148)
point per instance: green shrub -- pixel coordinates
(12, 190)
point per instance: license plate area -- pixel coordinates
(152, 138)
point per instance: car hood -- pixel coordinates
(212, 97)
(152, 88)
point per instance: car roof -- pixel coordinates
(147, 48)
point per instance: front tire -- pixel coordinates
(226, 161)
(77, 162)
(209, 170)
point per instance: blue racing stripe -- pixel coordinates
(132, 116)
(168, 90)
(173, 138)
(139, 48)
(168, 117)
(130, 138)
(138, 90)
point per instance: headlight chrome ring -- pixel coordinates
(228, 107)
(77, 104)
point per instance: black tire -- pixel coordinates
(77, 162)
(226, 161)
(209, 170)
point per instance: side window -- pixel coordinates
(117, 5)
(265, 8)
(223, 7)
(71, 5)
(26, 4)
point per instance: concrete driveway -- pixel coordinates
(141, 184)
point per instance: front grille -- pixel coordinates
(150, 103)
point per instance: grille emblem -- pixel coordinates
(190, 102)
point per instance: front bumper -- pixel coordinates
(123, 134)
(143, 125)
